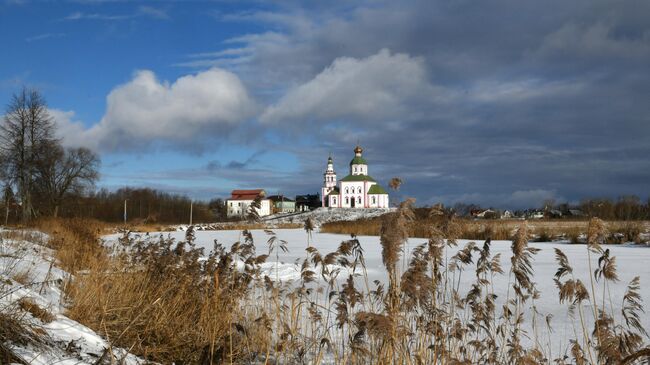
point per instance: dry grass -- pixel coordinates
(76, 242)
(159, 300)
(22, 277)
(541, 230)
(14, 331)
(35, 310)
(239, 226)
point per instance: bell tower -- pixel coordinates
(329, 175)
(329, 181)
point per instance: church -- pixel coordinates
(357, 190)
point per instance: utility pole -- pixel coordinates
(125, 211)
(191, 206)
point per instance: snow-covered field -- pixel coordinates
(632, 260)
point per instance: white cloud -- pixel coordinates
(595, 40)
(72, 133)
(44, 36)
(499, 91)
(153, 12)
(207, 105)
(380, 87)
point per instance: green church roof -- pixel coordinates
(357, 178)
(358, 160)
(376, 189)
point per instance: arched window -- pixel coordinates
(359, 190)
(334, 201)
(347, 201)
(374, 200)
(347, 191)
(355, 169)
(359, 200)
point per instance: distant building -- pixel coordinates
(357, 190)
(483, 213)
(282, 204)
(307, 202)
(535, 214)
(576, 213)
(240, 200)
(506, 214)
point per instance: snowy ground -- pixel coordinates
(318, 217)
(632, 260)
(28, 272)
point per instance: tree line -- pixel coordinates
(37, 172)
(143, 205)
(41, 178)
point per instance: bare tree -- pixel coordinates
(7, 200)
(65, 171)
(26, 134)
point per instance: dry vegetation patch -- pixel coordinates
(35, 310)
(541, 230)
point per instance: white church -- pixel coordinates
(357, 190)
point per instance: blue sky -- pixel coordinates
(501, 103)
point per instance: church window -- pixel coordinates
(359, 190)
(359, 200)
(347, 191)
(347, 200)
(355, 169)
(373, 200)
(333, 200)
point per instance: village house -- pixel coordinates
(239, 201)
(356, 190)
(307, 202)
(282, 204)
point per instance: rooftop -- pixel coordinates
(357, 178)
(376, 189)
(246, 194)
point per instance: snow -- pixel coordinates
(65, 341)
(318, 217)
(631, 261)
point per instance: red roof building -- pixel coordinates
(246, 194)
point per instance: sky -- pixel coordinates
(498, 103)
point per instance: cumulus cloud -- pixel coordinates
(71, 132)
(381, 87)
(194, 108)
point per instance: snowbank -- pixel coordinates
(28, 274)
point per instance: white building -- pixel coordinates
(240, 200)
(357, 190)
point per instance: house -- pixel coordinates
(356, 190)
(307, 202)
(576, 213)
(506, 214)
(535, 214)
(282, 204)
(240, 200)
